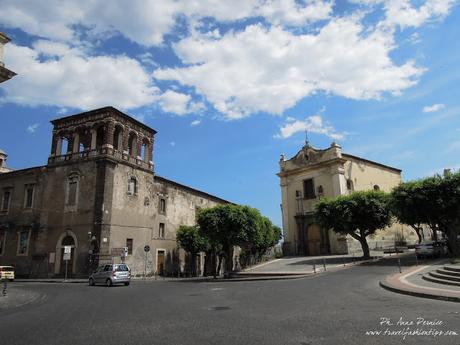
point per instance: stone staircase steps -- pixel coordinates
(452, 268)
(447, 272)
(440, 281)
(448, 275)
(444, 276)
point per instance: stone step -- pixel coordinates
(439, 281)
(448, 273)
(452, 268)
(444, 276)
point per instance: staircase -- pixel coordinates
(448, 275)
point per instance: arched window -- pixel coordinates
(64, 146)
(132, 142)
(349, 184)
(132, 186)
(100, 137)
(117, 138)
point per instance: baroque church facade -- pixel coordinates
(313, 174)
(97, 194)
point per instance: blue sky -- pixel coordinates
(231, 85)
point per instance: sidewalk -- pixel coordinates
(411, 282)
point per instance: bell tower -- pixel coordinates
(102, 133)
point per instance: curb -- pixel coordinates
(395, 283)
(51, 281)
(408, 292)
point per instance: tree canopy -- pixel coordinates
(358, 214)
(235, 225)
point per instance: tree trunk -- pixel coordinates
(221, 257)
(418, 231)
(453, 243)
(193, 264)
(365, 247)
(229, 262)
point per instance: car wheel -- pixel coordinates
(127, 283)
(91, 282)
(109, 282)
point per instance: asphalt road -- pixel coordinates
(332, 308)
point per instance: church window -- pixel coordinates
(161, 230)
(72, 191)
(23, 242)
(162, 207)
(132, 186)
(29, 196)
(129, 245)
(6, 199)
(308, 189)
(349, 185)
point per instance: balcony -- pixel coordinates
(100, 152)
(305, 206)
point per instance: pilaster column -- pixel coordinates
(109, 130)
(76, 143)
(93, 138)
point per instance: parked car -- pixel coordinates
(7, 272)
(431, 248)
(110, 275)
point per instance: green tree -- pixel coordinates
(228, 226)
(359, 215)
(191, 240)
(408, 206)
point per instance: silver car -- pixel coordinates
(110, 275)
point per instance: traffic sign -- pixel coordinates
(146, 248)
(67, 249)
(66, 256)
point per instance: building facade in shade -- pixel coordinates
(98, 194)
(313, 174)
(5, 73)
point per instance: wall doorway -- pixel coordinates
(161, 261)
(314, 239)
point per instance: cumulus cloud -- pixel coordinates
(147, 21)
(404, 14)
(311, 124)
(433, 108)
(195, 123)
(271, 69)
(178, 103)
(76, 81)
(32, 128)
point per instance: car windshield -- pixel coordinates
(121, 268)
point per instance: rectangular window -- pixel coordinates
(161, 230)
(72, 196)
(308, 189)
(129, 245)
(2, 242)
(23, 242)
(29, 196)
(6, 199)
(162, 205)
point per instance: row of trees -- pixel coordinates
(433, 201)
(219, 229)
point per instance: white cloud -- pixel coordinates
(147, 21)
(433, 108)
(270, 70)
(312, 124)
(76, 81)
(174, 102)
(404, 14)
(195, 123)
(32, 128)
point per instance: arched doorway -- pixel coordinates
(67, 238)
(314, 239)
